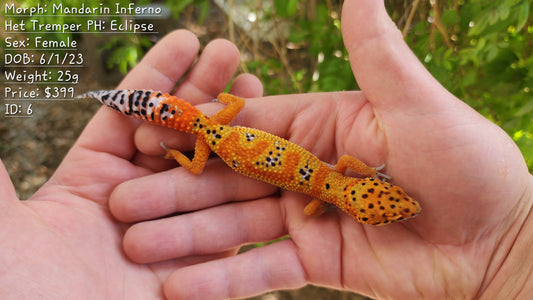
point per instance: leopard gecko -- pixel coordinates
(267, 157)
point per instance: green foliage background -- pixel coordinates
(480, 50)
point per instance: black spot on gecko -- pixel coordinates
(146, 96)
(130, 104)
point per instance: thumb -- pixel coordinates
(387, 71)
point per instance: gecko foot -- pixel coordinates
(381, 176)
(380, 167)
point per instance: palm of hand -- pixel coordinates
(422, 150)
(69, 244)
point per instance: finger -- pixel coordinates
(205, 232)
(164, 269)
(386, 69)
(154, 163)
(247, 86)
(211, 74)
(178, 190)
(271, 267)
(164, 65)
(160, 69)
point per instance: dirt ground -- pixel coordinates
(32, 148)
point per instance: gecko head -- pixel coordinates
(372, 201)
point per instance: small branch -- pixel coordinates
(231, 25)
(437, 22)
(410, 18)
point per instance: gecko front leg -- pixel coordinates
(202, 150)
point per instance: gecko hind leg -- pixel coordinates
(352, 163)
(234, 105)
(196, 165)
(316, 207)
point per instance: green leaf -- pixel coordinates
(526, 109)
(504, 11)
(450, 17)
(479, 26)
(177, 6)
(469, 78)
(493, 17)
(292, 7)
(205, 6)
(510, 3)
(523, 14)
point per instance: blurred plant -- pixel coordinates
(481, 51)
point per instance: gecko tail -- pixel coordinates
(137, 103)
(152, 106)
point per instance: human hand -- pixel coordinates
(468, 175)
(63, 243)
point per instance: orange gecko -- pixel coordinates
(267, 157)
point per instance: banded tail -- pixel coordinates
(152, 106)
